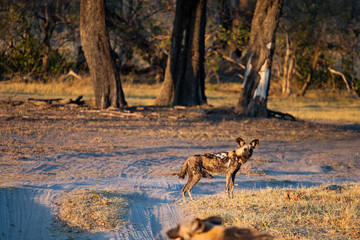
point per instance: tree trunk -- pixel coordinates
(45, 58)
(258, 55)
(96, 47)
(311, 73)
(184, 82)
(225, 16)
(288, 68)
(47, 29)
(166, 95)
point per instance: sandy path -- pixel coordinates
(25, 214)
(27, 211)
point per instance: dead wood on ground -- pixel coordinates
(57, 101)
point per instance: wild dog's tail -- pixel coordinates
(183, 170)
(167, 174)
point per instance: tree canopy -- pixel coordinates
(42, 38)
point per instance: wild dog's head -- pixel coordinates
(196, 229)
(245, 151)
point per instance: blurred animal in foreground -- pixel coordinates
(211, 229)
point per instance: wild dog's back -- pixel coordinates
(218, 162)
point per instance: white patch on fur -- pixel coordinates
(228, 163)
(221, 155)
(262, 87)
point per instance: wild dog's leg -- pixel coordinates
(228, 183)
(230, 178)
(186, 187)
(197, 177)
(194, 171)
(232, 182)
(190, 184)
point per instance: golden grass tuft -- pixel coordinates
(92, 210)
(325, 212)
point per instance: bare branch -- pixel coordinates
(229, 59)
(71, 73)
(349, 88)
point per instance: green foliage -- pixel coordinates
(60, 63)
(235, 38)
(223, 42)
(357, 86)
(23, 27)
(325, 27)
(23, 57)
(140, 33)
(138, 27)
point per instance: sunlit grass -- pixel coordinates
(325, 212)
(338, 108)
(327, 109)
(94, 210)
(53, 89)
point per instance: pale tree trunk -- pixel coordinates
(96, 47)
(258, 55)
(184, 82)
(288, 68)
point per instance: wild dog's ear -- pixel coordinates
(197, 226)
(254, 143)
(214, 220)
(240, 142)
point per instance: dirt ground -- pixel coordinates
(46, 150)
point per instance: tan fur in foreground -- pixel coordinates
(211, 229)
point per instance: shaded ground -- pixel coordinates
(46, 150)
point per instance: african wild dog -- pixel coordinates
(227, 162)
(211, 229)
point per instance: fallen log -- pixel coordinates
(77, 101)
(285, 116)
(46, 100)
(60, 101)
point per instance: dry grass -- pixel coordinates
(94, 210)
(69, 88)
(325, 108)
(318, 106)
(325, 212)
